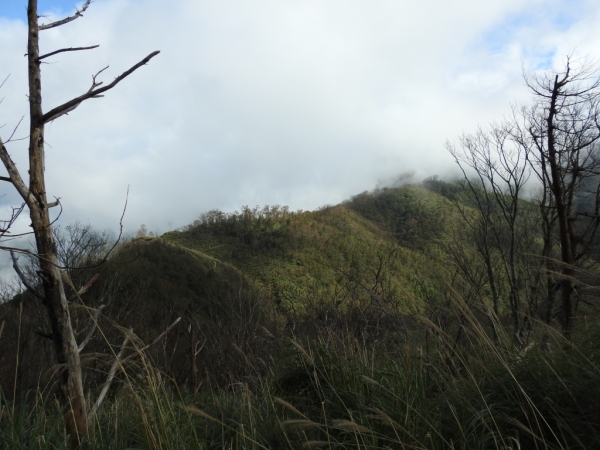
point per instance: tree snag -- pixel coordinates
(34, 195)
(563, 130)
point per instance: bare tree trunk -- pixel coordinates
(34, 195)
(501, 172)
(563, 213)
(54, 292)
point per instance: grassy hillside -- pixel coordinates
(364, 325)
(367, 248)
(233, 276)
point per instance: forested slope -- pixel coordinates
(372, 246)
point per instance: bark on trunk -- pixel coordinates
(34, 194)
(56, 301)
(563, 216)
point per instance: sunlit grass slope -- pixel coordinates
(370, 246)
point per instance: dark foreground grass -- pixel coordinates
(340, 393)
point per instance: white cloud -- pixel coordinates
(299, 102)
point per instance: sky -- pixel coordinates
(297, 102)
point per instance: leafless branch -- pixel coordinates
(93, 325)
(27, 252)
(18, 250)
(103, 260)
(15, 130)
(6, 224)
(77, 15)
(94, 93)
(95, 84)
(158, 338)
(23, 278)
(198, 350)
(83, 290)
(15, 176)
(2, 84)
(70, 49)
(20, 139)
(118, 362)
(111, 375)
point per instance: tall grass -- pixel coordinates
(339, 391)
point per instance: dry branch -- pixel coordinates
(77, 15)
(70, 49)
(14, 175)
(111, 375)
(93, 327)
(118, 362)
(93, 93)
(158, 338)
(23, 278)
(34, 194)
(7, 224)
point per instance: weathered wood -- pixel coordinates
(23, 278)
(564, 128)
(94, 91)
(66, 20)
(63, 337)
(70, 49)
(34, 195)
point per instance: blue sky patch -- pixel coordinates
(544, 61)
(17, 9)
(559, 19)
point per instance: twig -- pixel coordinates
(4, 81)
(15, 130)
(6, 224)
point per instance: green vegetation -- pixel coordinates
(354, 326)
(334, 255)
(420, 317)
(337, 392)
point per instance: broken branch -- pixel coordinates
(111, 375)
(89, 284)
(77, 15)
(14, 175)
(118, 362)
(93, 326)
(158, 338)
(22, 277)
(72, 104)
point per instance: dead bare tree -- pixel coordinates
(500, 169)
(34, 195)
(558, 137)
(562, 129)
